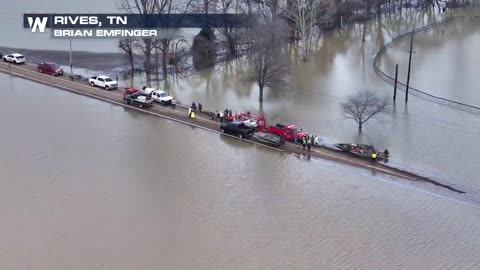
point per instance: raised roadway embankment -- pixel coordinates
(179, 114)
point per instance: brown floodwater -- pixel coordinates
(423, 136)
(426, 137)
(90, 185)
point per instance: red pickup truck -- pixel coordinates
(287, 132)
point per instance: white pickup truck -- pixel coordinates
(103, 82)
(162, 97)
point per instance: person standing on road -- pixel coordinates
(194, 107)
(304, 141)
(221, 116)
(374, 156)
(174, 103)
(200, 107)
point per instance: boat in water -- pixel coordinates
(347, 147)
(268, 138)
(367, 153)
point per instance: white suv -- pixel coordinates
(15, 58)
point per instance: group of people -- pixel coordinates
(193, 109)
(226, 114)
(307, 141)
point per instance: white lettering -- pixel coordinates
(82, 20)
(117, 19)
(58, 20)
(72, 33)
(58, 33)
(125, 33)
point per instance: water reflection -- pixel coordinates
(343, 64)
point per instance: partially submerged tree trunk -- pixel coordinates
(260, 93)
(142, 7)
(165, 51)
(127, 45)
(268, 68)
(148, 59)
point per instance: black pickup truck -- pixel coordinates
(137, 99)
(238, 129)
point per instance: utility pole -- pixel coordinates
(71, 67)
(409, 65)
(395, 85)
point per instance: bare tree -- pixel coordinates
(363, 105)
(143, 8)
(169, 34)
(270, 9)
(127, 45)
(303, 16)
(204, 6)
(229, 31)
(268, 67)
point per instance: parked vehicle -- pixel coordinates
(50, 68)
(238, 129)
(162, 97)
(103, 82)
(130, 90)
(269, 138)
(287, 132)
(137, 99)
(147, 90)
(15, 58)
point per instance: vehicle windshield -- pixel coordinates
(163, 94)
(108, 80)
(20, 57)
(53, 65)
(297, 130)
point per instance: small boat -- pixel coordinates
(347, 147)
(367, 153)
(268, 138)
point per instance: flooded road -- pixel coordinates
(422, 136)
(90, 185)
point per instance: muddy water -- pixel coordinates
(423, 136)
(89, 185)
(444, 60)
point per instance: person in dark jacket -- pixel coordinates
(200, 107)
(194, 106)
(304, 141)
